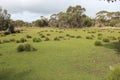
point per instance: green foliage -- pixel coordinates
(20, 48)
(37, 40)
(25, 47)
(98, 43)
(89, 37)
(78, 37)
(56, 39)
(43, 22)
(22, 40)
(106, 40)
(28, 36)
(47, 39)
(115, 74)
(72, 18)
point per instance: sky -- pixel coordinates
(30, 10)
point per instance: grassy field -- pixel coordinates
(72, 56)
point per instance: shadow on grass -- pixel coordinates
(11, 74)
(113, 45)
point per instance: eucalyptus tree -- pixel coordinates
(4, 19)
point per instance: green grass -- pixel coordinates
(67, 59)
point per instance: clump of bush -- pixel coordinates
(22, 40)
(115, 74)
(71, 36)
(17, 41)
(0, 42)
(25, 47)
(12, 40)
(37, 40)
(60, 31)
(28, 36)
(48, 34)
(47, 39)
(42, 36)
(67, 35)
(89, 37)
(100, 34)
(6, 41)
(78, 37)
(56, 39)
(98, 43)
(60, 37)
(100, 37)
(112, 38)
(106, 40)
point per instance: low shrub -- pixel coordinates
(115, 74)
(48, 34)
(98, 43)
(6, 32)
(100, 34)
(60, 37)
(1, 54)
(56, 39)
(67, 35)
(71, 36)
(0, 42)
(37, 40)
(112, 37)
(21, 48)
(106, 40)
(42, 36)
(100, 37)
(78, 37)
(17, 41)
(47, 39)
(12, 40)
(28, 36)
(25, 47)
(89, 37)
(6, 41)
(60, 31)
(22, 40)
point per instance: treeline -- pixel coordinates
(73, 17)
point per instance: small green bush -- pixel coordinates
(78, 37)
(100, 37)
(115, 74)
(106, 40)
(56, 39)
(98, 43)
(28, 36)
(60, 37)
(22, 40)
(21, 48)
(17, 41)
(28, 47)
(12, 40)
(6, 41)
(0, 42)
(100, 34)
(47, 39)
(67, 35)
(48, 34)
(25, 47)
(89, 37)
(71, 36)
(37, 40)
(42, 36)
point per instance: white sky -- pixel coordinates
(29, 10)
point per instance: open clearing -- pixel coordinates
(73, 56)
